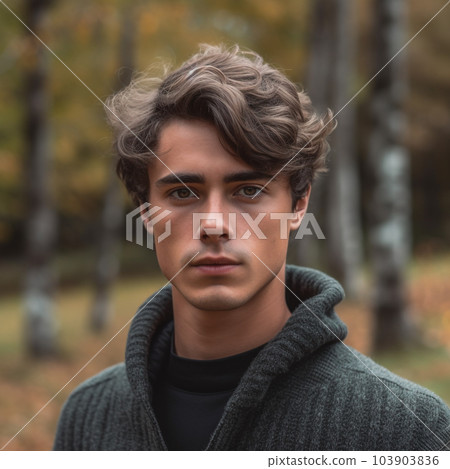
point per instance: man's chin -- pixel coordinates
(214, 301)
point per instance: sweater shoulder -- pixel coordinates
(112, 380)
(359, 366)
(116, 373)
(88, 403)
(403, 401)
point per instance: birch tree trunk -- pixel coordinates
(390, 168)
(40, 224)
(308, 250)
(344, 241)
(335, 196)
(112, 216)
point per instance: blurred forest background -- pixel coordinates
(68, 279)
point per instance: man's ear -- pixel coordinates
(300, 209)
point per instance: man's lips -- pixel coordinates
(215, 269)
(214, 261)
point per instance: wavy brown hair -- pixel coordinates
(259, 114)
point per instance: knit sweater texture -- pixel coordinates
(305, 390)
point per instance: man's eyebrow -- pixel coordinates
(246, 176)
(198, 178)
(186, 178)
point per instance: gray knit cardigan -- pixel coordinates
(305, 390)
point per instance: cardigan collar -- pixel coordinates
(310, 295)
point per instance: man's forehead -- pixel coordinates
(192, 152)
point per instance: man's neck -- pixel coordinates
(209, 335)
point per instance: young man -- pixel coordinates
(240, 352)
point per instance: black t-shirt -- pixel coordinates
(190, 396)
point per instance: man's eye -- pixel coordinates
(182, 193)
(250, 191)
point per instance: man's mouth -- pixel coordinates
(215, 265)
(214, 261)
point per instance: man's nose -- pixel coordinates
(217, 222)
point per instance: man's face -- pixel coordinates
(226, 273)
